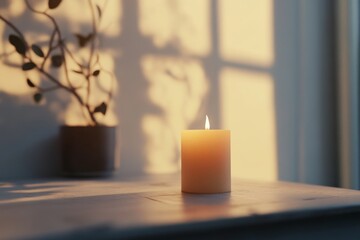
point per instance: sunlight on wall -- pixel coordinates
(175, 68)
(248, 110)
(11, 81)
(183, 24)
(246, 31)
(247, 98)
(177, 87)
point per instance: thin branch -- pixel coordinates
(57, 82)
(14, 28)
(88, 90)
(86, 71)
(112, 79)
(92, 48)
(61, 42)
(73, 57)
(57, 29)
(74, 93)
(51, 48)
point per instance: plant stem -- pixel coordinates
(73, 92)
(60, 40)
(50, 48)
(92, 47)
(14, 28)
(71, 89)
(72, 57)
(86, 71)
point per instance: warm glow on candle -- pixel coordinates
(207, 123)
(205, 160)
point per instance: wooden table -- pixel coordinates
(118, 209)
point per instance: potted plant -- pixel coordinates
(87, 150)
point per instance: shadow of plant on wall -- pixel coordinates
(35, 94)
(176, 62)
(72, 69)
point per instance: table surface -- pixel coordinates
(49, 208)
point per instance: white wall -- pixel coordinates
(167, 80)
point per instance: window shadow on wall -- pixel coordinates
(174, 62)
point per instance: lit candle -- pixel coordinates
(205, 160)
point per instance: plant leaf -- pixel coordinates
(101, 108)
(28, 66)
(77, 71)
(30, 83)
(98, 10)
(18, 43)
(37, 50)
(96, 73)
(83, 40)
(37, 97)
(54, 3)
(57, 61)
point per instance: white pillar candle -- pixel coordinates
(205, 160)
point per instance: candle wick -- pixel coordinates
(207, 123)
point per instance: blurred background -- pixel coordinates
(277, 73)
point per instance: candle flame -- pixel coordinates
(207, 123)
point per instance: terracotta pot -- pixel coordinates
(88, 151)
